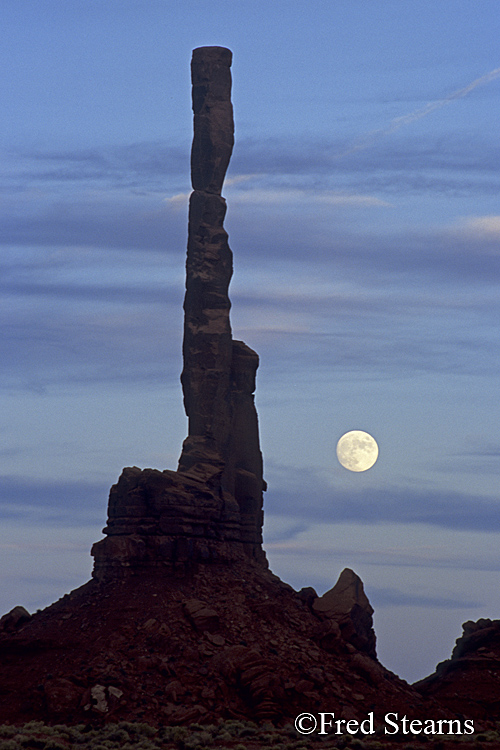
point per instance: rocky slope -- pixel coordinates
(229, 641)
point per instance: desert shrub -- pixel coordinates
(53, 743)
(202, 738)
(289, 730)
(36, 726)
(164, 735)
(233, 727)
(77, 735)
(140, 736)
(144, 744)
(60, 729)
(146, 730)
(177, 734)
(268, 726)
(248, 731)
(489, 736)
(116, 735)
(28, 741)
(196, 740)
(271, 739)
(211, 728)
(224, 736)
(7, 730)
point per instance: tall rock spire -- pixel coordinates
(218, 378)
(210, 509)
(207, 347)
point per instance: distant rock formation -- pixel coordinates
(210, 509)
(469, 682)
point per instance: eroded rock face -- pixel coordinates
(213, 117)
(210, 509)
(346, 611)
(169, 521)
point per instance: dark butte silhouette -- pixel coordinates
(182, 620)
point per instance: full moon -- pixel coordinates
(357, 450)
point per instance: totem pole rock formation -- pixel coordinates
(219, 374)
(210, 509)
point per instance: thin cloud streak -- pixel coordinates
(60, 502)
(143, 169)
(435, 507)
(398, 122)
(286, 196)
(389, 597)
(320, 559)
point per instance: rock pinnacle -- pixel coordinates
(210, 509)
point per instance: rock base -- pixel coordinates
(226, 641)
(170, 521)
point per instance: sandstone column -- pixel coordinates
(207, 347)
(218, 378)
(210, 509)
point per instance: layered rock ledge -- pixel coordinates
(169, 521)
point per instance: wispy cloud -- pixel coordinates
(389, 597)
(330, 504)
(479, 227)
(398, 122)
(140, 165)
(41, 348)
(461, 155)
(286, 196)
(51, 502)
(482, 448)
(97, 224)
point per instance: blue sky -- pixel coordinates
(363, 216)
